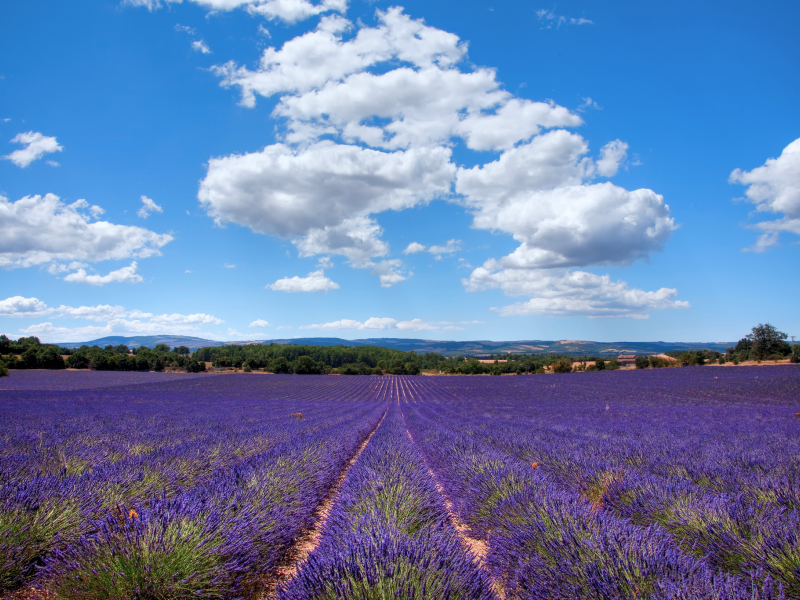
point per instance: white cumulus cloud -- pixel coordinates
(288, 11)
(117, 320)
(538, 193)
(558, 292)
(280, 190)
(372, 323)
(19, 306)
(415, 325)
(101, 312)
(774, 188)
(127, 274)
(369, 115)
(36, 146)
(611, 156)
(314, 282)
(321, 195)
(259, 323)
(39, 230)
(413, 248)
(329, 88)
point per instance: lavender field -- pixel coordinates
(654, 484)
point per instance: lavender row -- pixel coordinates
(548, 542)
(721, 477)
(44, 513)
(388, 535)
(75, 431)
(218, 540)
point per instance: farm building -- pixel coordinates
(626, 359)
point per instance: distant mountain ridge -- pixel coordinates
(447, 348)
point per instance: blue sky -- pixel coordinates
(256, 169)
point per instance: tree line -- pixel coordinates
(30, 353)
(764, 342)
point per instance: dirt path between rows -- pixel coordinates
(478, 549)
(304, 545)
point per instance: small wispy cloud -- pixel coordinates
(587, 103)
(437, 251)
(551, 19)
(148, 206)
(36, 146)
(201, 46)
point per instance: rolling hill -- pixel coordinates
(447, 348)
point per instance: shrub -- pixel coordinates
(12, 362)
(600, 364)
(562, 365)
(641, 362)
(3, 369)
(196, 367)
(412, 368)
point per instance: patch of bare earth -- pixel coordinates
(477, 549)
(304, 545)
(28, 593)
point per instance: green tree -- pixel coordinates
(600, 364)
(49, 358)
(641, 362)
(79, 360)
(5, 344)
(3, 368)
(767, 340)
(161, 348)
(28, 341)
(305, 365)
(280, 365)
(29, 358)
